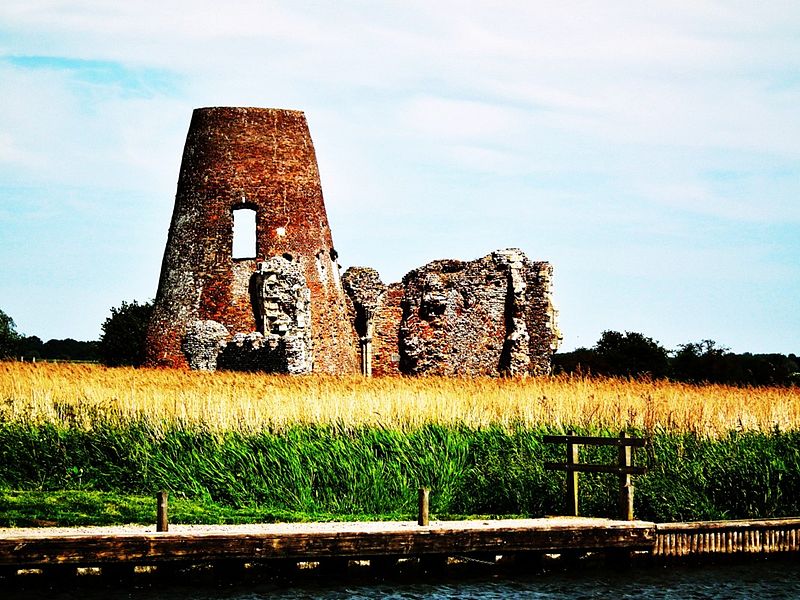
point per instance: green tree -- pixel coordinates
(30, 346)
(123, 339)
(9, 338)
(580, 360)
(630, 354)
(701, 361)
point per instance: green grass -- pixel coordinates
(70, 476)
(70, 508)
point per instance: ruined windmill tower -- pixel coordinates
(251, 168)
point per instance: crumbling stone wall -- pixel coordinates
(282, 305)
(271, 353)
(541, 316)
(262, 159)
(365, 290)
(386, 332)
(484, 317)
(454, 319)
(202, 344)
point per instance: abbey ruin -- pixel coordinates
(273, 299)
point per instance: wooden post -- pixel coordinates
(162, 519)
(424, 504)
(572, 479)
(625, 482)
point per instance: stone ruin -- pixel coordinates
(248, 171)
(484, 317)
(282, 312)
(283, 308)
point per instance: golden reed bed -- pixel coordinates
(82, 395)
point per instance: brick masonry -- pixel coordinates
(490, 316)
(261, 159)
(285, 309)
(388, 316)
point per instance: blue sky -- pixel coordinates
(650, 151)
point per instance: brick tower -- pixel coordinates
(256, 168)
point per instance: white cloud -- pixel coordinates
(450, 120)
(10, 152)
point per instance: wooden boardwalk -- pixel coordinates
(64, 548)
(319, 541)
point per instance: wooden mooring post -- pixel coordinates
(162, 518)
(624, 468)
(424, 505)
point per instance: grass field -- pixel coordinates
(84, 444)
(82, 395)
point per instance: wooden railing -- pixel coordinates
(624, 467)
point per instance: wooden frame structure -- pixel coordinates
(624, 467)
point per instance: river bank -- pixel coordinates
(109, 474)
(86, 445)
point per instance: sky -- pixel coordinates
(649, 150)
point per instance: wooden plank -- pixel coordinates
(155, 548)
(572, 480)
(625, 461)
(586, 440)
(761, 524)
(594, 468)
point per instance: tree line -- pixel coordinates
(631, 354)
(616, 354)
(121, 342)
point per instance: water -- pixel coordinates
(762, 580)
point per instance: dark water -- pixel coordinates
(761, 580)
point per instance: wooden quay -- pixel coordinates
(315, 542)
(114, 549)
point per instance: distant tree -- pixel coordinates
(628, 354)
(30, 346)
(9, 338)
(794, 376)
(69, 349)
(706, 362)
(702, 361)
(123, 338)
(765, 369)
(631, 355)
(582, 361)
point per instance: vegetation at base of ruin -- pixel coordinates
(247, 445)
(82, 395)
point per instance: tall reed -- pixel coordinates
(84, 395)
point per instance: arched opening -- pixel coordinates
(244, 233)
